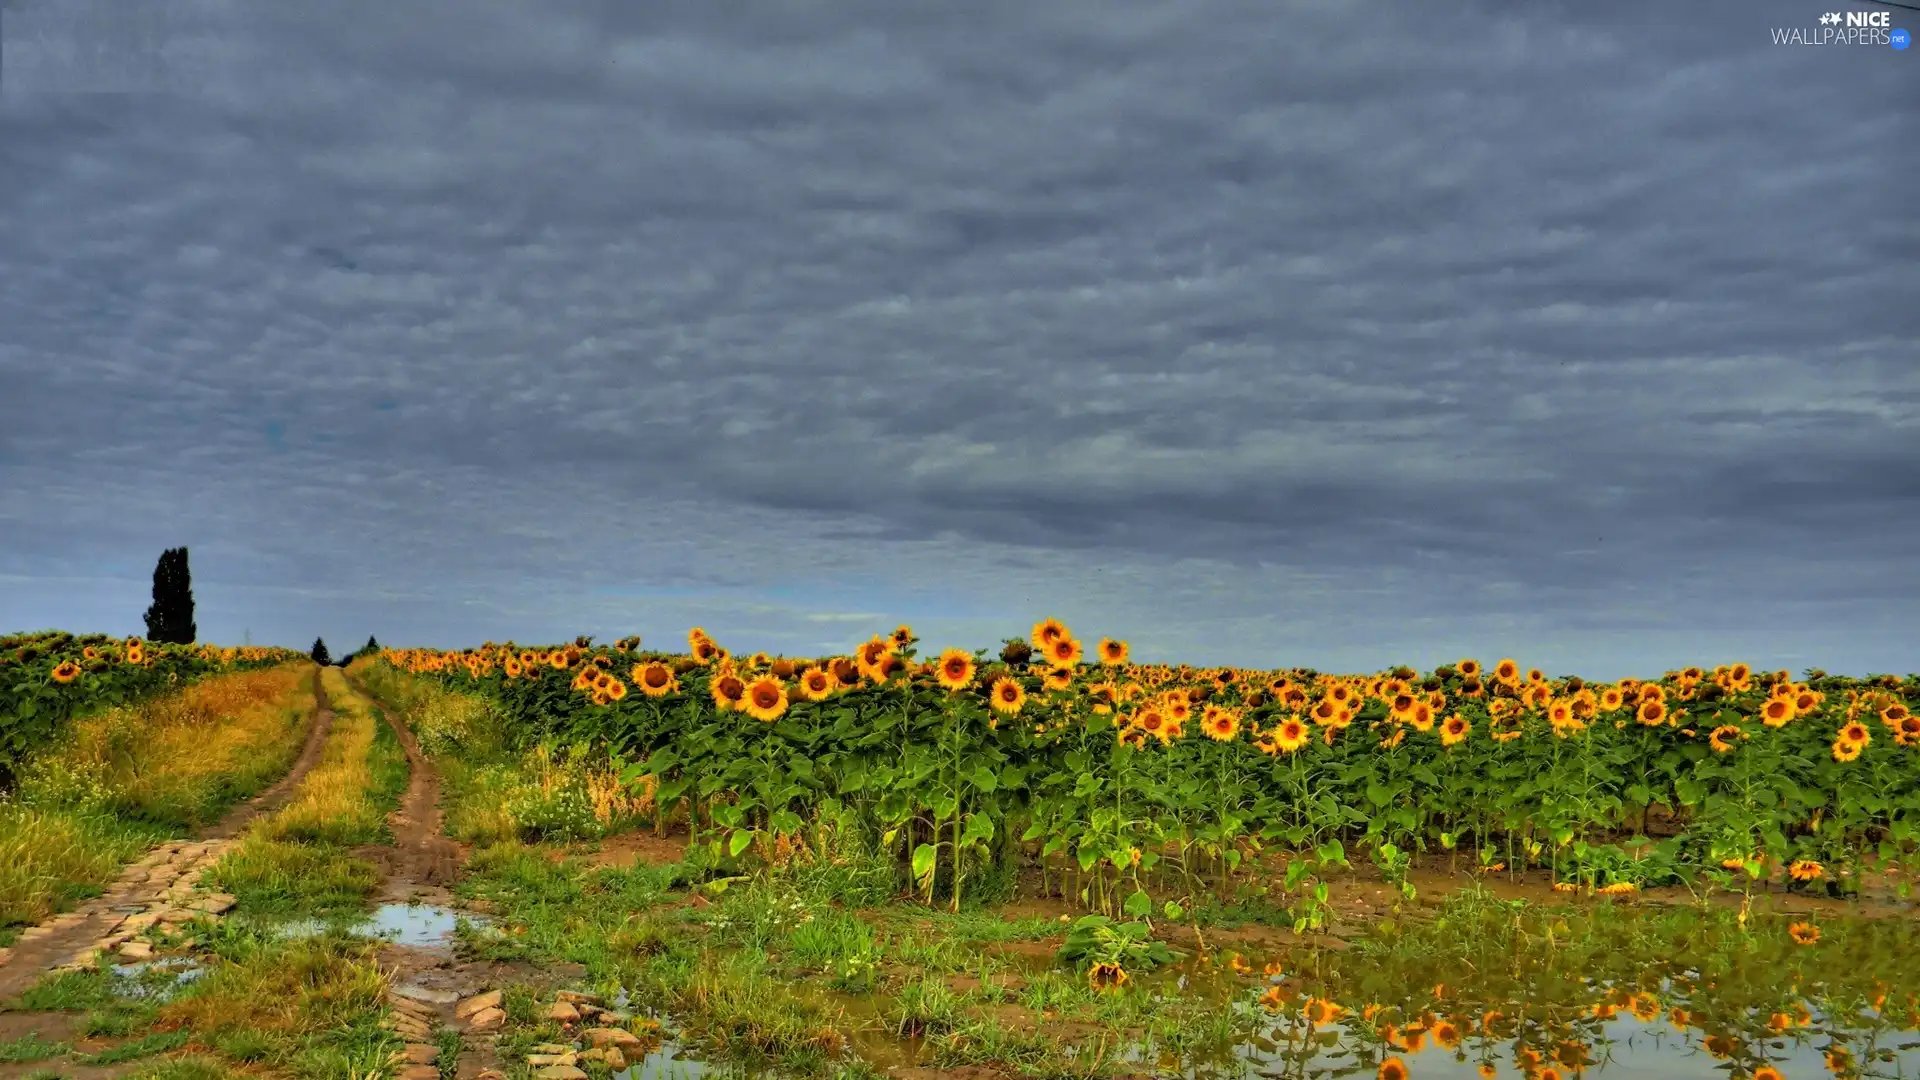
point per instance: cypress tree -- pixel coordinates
(320, 652)
(170, 618)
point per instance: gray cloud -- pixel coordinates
(1255, 333)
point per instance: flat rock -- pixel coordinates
(135, 950)
(214, 903)
(562, 1072)
(419, 1072)
(487, 1020)
(478, 1003)
(576, 997)
(563, 1012)
(420, 1054)
(610, 1036)
(542, 1060)
(427, 994)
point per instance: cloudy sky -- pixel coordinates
(1263, 332)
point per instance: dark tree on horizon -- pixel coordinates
(170, 618)
(320, 652)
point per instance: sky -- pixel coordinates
(1252, 332)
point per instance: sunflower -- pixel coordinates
(728, 691)
(1273, 999)
(1113, 652)
(136, 654)
(765, 699)
(1220, 724)
(1048, 631)
(1447, 1034)
(816, 683)
(1455, 730)
(902, 636)
(615, 689)
(955, 670)
(1776, 712)
(1065, 652)
(1317, 1011)
(1718, 739)
(1644, 1007)
(1856, 734)
(1468, 669)
(1507, 671)
(1652, 713)
(1106, 976)
(1806, 870)
(1767, 1072)
(1391, 1069)
(1058, 679)
(654, 679)
(1153, 722)
(1846, 751)
(1291, 735)
(1008, 696)
(66, 672)
(1909, 733)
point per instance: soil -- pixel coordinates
(420, 867)
(626, 850)
(421, 863)
(73, 930)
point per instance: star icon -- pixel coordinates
(1831, 18)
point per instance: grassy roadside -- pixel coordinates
(493, 790)
(129, 777)
(264, 1003)
(299, 860)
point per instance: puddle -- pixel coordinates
(424, 925)
(418, 925)
(665, 1064)
(155, 978)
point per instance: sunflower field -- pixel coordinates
(51, 676)
(1138, 787)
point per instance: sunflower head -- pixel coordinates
(1007, 696)
(729, 691)
(66, 672)
(1048, 631)
(1106, 977)
(954, 670)
(1113, 652)
(1065, 652)
(765, 700)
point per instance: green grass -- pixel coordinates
(284, 877)
(158, 1042)
(30, 1047)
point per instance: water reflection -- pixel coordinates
(1491, 991)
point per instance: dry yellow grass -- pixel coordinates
(335, 802)
(129, 776)
(182, 758)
